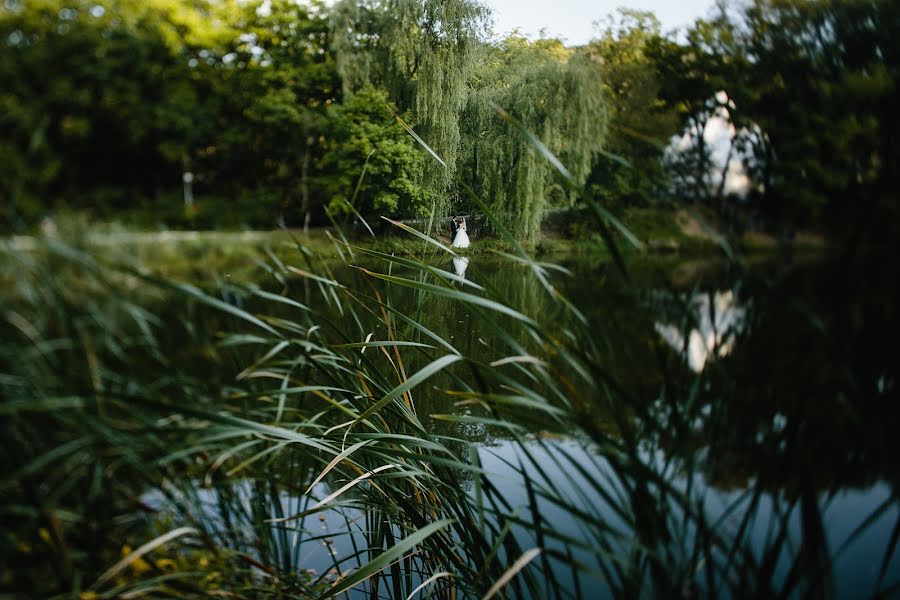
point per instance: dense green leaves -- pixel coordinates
(556, 95)
(424, 54)
(641, 120)
(823, 87)
(369, 162)
(808, 87)
(107, 103)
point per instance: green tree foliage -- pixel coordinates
(556, 94)
(363, 136)
(273, 106)
(270, 104)
(106, 103)
(93, 97)
(423, 53)
(824, 88)
(641, 120)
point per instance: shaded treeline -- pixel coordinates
(801, 91)
(776, 114)
(107, 104)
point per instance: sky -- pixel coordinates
(573, 20)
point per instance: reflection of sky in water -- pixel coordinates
(315, 542)
(716, 325)
(324, 542)
(497, 460)
(855, 567)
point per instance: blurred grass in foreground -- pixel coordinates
(307, 408)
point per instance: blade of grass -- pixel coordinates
(517, 566)
(140, 552)
(420, 376)
(384, 559)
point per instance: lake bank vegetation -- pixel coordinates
(190, 255)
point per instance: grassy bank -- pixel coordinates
(237, 255)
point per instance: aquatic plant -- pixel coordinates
(133, 471)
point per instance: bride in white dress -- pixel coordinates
(461, 239)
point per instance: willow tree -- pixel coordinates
(556, 94)
(423, 53)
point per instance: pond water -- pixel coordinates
(750, 410)
(792, 374)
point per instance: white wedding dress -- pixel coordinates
(462, 238)
(459, 265)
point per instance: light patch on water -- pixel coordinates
(460, 263)
(717, 321)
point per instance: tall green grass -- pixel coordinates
(129, 475)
